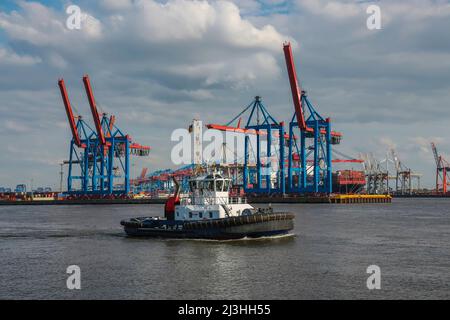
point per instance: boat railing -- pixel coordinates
(237, 200)
(212, 200)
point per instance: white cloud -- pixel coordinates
(43, 27)
(214, 22)
(208, 39)
(36, 24)
(417, 9)
(332, 9)
(15, 126)
(57, 60)
(173, 21)
(116, 4)
(7, 57)
(386, 143)
(423, 144)
(90, 26)
(242, 33)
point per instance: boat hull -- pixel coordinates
(254, 226)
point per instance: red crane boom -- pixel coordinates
(95, 115)
(297, 92)
(112, 121)
(69, 112)
(437, 158)
(143, 173)
(295, 88)
(442, 171)
(240, 130)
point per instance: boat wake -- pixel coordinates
(243, 240)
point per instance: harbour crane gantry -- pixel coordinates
(442, 171)
(266, 176)
(298, 96)
(404, 176)
(74, 127)
(316, 139)
(98, 158)
(309, 162)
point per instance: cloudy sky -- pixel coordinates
(157, 65)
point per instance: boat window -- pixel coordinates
(206, 185)
(226, 185)
(219, 185)
(210, 215)
(190, 214)
(210, 185)
(200, 215)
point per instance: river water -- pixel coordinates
(327, 258)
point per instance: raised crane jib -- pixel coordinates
(69, 112)
(93, 105)
(437, 158)
(295, 87)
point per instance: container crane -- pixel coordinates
(404, 176)
(93, 105)
(98, 158)
(298, 96)
(80, 146)
(70, 116)
(264, 178)
(315, 156)
(442, 171)
(309, 156)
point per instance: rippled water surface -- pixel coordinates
(326, 259)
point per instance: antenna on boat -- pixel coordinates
(177, 187)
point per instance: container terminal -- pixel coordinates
(296, 166)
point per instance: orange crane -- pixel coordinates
(98, 158)
(297, 93)
(93, 105)
(70, 116)
(442, 171)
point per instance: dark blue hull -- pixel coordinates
(255, 226)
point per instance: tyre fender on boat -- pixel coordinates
(238, 221)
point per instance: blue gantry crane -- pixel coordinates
(310, 159)
(260, 177)
(98, 158)
(309, 150)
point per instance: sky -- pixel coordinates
(157, 65)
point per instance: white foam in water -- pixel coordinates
(245, 239)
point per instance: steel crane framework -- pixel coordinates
(314, 149)
(267, 176)
(99, 160)
(442, 171)
(159, 182)
(309, 150)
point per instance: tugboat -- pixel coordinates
(208, 212)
